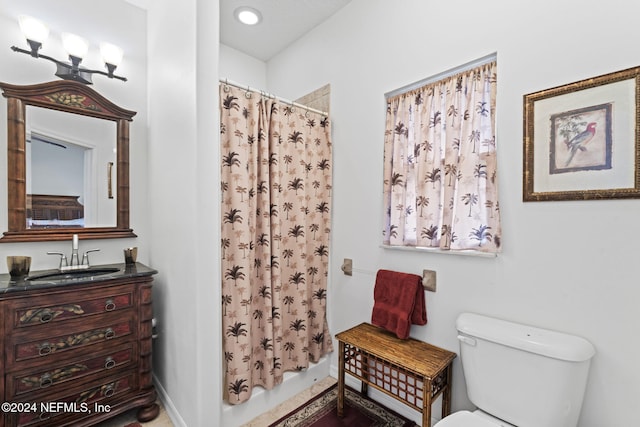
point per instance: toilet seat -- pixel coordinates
(467, 419)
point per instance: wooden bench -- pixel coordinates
(411, 371)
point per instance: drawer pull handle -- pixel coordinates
(44, 349)
(109, 305)
(46, 316)
(109, 363)
(45, 381)
(109, 333)
(109, 390)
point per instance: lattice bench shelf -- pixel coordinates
(411, 371)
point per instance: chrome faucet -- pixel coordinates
(74, 251)
(75, 259)
(63, 259)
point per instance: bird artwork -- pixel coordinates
(578, 142)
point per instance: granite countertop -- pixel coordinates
(54, 278)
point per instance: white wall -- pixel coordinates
(241, 68)
(184, 205)
(55, 170)
(568, 266)
(116, 22)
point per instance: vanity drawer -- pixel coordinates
(78, 403)
(49, 378)
(28, 312)
(45, 344)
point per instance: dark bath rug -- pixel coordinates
(359, 411)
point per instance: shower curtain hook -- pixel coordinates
(306, 113)
(247, 94)
(226, 87)
(292, 108)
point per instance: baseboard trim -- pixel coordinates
(173, 413)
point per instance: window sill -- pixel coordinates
(439, 251)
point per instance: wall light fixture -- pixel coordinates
(37, 32)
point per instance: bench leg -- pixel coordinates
(340, 379)
(426, 404)
(446, 394)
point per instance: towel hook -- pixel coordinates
(429, 280)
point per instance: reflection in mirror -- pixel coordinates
(55, 172)
(89, 189)
(67, 161)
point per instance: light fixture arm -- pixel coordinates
(71, 71)
(75, 63)
(35, 47)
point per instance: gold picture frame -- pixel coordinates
(582, 140)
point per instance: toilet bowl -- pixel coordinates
(472, 419)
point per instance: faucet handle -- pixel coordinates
(85, 257)
(63, 258)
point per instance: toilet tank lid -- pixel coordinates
(557, 345)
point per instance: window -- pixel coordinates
(440, 169)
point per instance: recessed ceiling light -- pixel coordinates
(248, 15)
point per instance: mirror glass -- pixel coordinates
(70, 160)
(67, 163)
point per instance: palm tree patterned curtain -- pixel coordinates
(276, 196)
(440, 170)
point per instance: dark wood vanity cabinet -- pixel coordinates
(78, 353)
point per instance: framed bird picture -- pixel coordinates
(582, 140)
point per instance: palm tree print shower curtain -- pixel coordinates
(276, 198)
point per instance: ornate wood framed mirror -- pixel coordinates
(33, 216)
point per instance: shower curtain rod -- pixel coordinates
(270, 95)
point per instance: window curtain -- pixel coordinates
(276, 198)
(440, 170)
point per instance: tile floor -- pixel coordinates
(291, 404)
(129, 417)
(263, 420)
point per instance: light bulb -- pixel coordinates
(75, 45)
(248, 15)
(33, 29)
(111, 54)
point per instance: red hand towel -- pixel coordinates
(399, 302)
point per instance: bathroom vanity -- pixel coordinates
(76, 346)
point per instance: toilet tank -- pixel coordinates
(527, 376)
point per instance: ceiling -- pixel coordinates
(283, 22)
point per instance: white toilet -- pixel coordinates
(519, 375)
